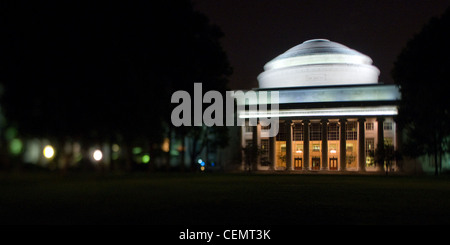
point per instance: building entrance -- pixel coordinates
(298, 163)
(333, 163)
(315, 163)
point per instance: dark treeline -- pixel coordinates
(422, 72)
(104, 71)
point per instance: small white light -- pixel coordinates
(49, 152)
(98, 155)
(333, 151)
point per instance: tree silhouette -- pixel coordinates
(421, 71)
(96, 71)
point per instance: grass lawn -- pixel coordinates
(221, 199)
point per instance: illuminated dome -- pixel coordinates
(318, 62)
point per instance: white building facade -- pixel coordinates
(333, 113)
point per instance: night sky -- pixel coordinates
(256, 31)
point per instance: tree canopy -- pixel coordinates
(96, 70)
(80, 66)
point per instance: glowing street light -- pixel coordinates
(145, 158)
(98, 155)
(49, 152)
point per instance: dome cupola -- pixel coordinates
(318, 62)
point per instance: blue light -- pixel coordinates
(202, 164)
(213, 164)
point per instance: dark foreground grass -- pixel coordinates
(221, 199)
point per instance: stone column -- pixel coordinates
(324, 144)
(289, 155)
(258, 143)
(398, 143)
(272, 152)
(361, 145)
(306, 144)
(380, 143)
(342, 144)
(254, 151)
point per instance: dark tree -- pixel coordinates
(97, 71)
(422, 72)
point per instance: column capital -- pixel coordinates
(361, 119)
(288, 122)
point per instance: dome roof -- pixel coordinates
(318, 62)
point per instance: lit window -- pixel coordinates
(370, 152)
(282, 134)
(333, 148)
(298, 132)
(387, 126)
(388, 141)
(264, 148)
(316, 132)
(316, 147)
(352, 133)
(370, 145)
(333, 131)
(349, 147)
